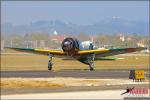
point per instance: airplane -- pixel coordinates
(84, 52)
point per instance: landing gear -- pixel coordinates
(91, 62)
(91, 66)
(88, 60)
(50, 64)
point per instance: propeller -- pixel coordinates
(69, 46)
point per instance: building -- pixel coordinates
(58, 38)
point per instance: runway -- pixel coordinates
(73, 73)
(111, 84)
(105, 94)
(70, 95)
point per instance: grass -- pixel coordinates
(59, 82)
(26, 83)
(38, 62)
(19, 83)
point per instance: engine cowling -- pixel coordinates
(70, 46)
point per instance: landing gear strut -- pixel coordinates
(91, 66)
(50, 64)
(91, 62)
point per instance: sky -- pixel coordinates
(77, 12)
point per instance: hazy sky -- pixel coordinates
(79, 12)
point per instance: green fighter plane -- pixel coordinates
(81, 51)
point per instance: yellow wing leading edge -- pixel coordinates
(97, 52)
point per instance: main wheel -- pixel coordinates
(91, 69)
(91, 66)
(50, 66)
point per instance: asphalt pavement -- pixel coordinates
(74, 73)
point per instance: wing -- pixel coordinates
(98, 52)
(110, 52)
(39, 51)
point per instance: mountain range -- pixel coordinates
(107, 26)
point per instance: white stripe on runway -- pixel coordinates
(105, 94)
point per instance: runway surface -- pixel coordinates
(75, 74)
(109, 94)
(105, 94)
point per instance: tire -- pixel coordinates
(50, 66)
(91, 67)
